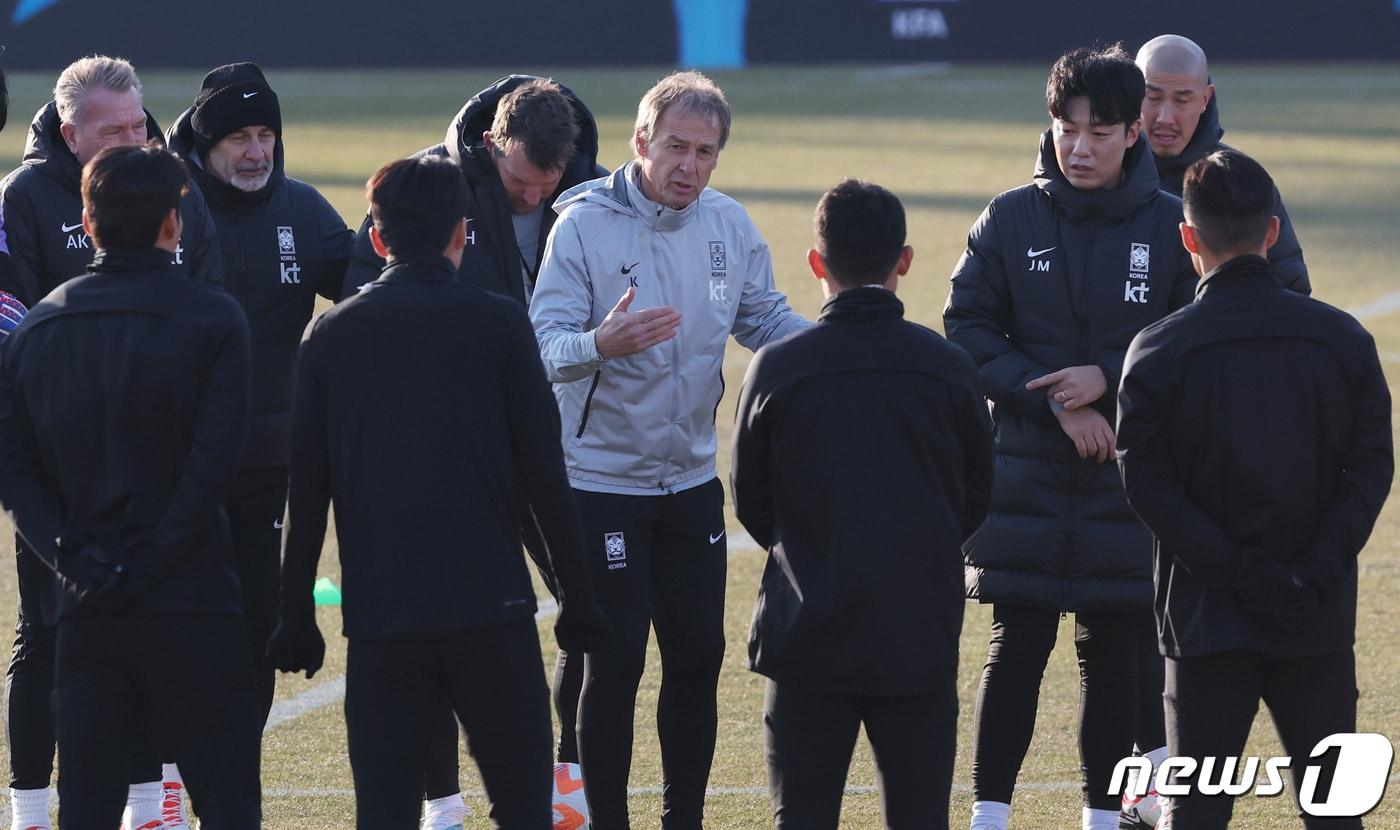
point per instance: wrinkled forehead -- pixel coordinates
(692, 125)
(517, 165)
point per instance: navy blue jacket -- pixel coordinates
(862, 460)
(1254, 420)
(123, 407)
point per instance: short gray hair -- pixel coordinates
(70, 92)
(692, 92)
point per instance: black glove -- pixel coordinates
(1275, 593)
(582, 626)
(97, 581)
(297, 645)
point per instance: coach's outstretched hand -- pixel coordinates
(582, 626)
(297, 646)
(1275, 593)
(625, 332)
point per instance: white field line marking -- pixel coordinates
(712, 792)
(333, 691)
(1380, 307)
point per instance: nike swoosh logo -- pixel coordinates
(71, 228)
(717, 537)
(1033, 254)
(248, 95)
(627, 269)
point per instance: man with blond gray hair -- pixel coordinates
(647, 273)
(96, 104)
(1181, 120)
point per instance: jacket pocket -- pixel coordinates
(587, 403)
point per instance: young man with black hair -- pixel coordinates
(862, 461)
(520, 143)
(97, 103)
(429, 468)
(1057, 277)
(123, 409)
(1255, 442)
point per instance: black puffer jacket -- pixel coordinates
(42, 203)
(1056, 277)
(282, 245)
(1287, 254)
(492, 259)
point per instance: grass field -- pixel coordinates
(945, 140)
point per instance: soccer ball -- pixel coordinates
(570, 806)
(1145, 810)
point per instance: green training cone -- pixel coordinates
(326, 592)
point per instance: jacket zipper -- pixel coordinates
(588, 402)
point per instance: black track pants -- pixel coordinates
(810, 737)
(1021, 642)
(657, 560)
(1211, 704)
(491, 678)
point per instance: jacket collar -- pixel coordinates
(621, 192)
(862, 304)
(1138, 187)
(126, 260)
(1249, 272)
(415, 270)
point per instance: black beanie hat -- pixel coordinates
(233, 97)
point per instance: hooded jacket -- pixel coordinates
(42, 203)
(281, 246)
(1254, 420)
(644, 424)
(492, 258)
(1287, 254)
(862, 461)
(1054, 277)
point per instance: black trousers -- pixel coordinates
(255, 507)
(491, 678)
(1022, 639)
(1150, 731)
(567, 682)
(29, 680)
(1211, 704)
(657, 561)
(193, 669)
(810, 737)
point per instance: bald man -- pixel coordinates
(1181, 119)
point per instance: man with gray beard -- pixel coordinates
(283, 244)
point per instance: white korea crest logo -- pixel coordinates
(1139, 258)
(286, 243)
(615, 545)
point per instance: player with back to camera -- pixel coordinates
(862, 461)
(1255, 442)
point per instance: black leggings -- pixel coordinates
(1150, 731)
(1211, 703)
(1021, 642)
(492, 679)
(29, 679)
(657, 561)
(810, 736)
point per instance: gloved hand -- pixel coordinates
(1276, 593)
(92, 575)
(582, 626)
(12, 313)
(296, 645)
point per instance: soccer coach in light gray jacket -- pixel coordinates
(646, 274)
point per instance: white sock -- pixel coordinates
(990, 815)
(142, 806)
(29, 809)
(172, 803)
(445, 812)
(1100, 819)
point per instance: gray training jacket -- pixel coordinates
(644, 424)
